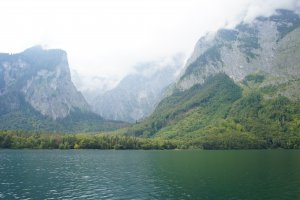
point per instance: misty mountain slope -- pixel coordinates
(266, 45)
(94, 86)
(36, 93)
(137, 94)
(240, 89)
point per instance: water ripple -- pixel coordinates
(91, 174)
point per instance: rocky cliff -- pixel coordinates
(36, 93)
(267, 45)
(43, 78)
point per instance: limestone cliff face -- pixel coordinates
(268, 45)
(42, 78)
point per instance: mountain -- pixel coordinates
(266, 46)
(92, 86)
(240, 89)
(36, 93)
(138, 93)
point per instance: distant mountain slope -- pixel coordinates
(240, 89)
(136, 96)
(36, 93)
(92, 86)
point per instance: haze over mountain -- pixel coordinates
(240, 89)
(255, 60)
(138, 93)
(36, 93)
(90, 87)
(108, 38)
(255, 47)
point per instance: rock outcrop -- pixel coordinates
(43, 78)
(268, 45)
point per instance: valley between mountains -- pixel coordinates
(240, 89)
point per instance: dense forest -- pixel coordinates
(22, 139)
(234, 140)
(223, 115)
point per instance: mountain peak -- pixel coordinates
(40, 48)
(248, 48)
(43, 78)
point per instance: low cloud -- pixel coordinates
(268, 7)
(108, 38)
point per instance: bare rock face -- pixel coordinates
(268, 45)
(42, 78)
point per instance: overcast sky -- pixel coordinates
(108, 37)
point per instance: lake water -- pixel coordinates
(98, 174)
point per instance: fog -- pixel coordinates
(108, 38)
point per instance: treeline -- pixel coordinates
(23, 139)
(233, 140)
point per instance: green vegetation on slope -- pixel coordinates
(21, 116)
(75, 122)
(201, 103)
(217, 116)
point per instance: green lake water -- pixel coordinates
(104, 174)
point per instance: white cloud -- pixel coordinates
(108, 37)
(267, 7)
